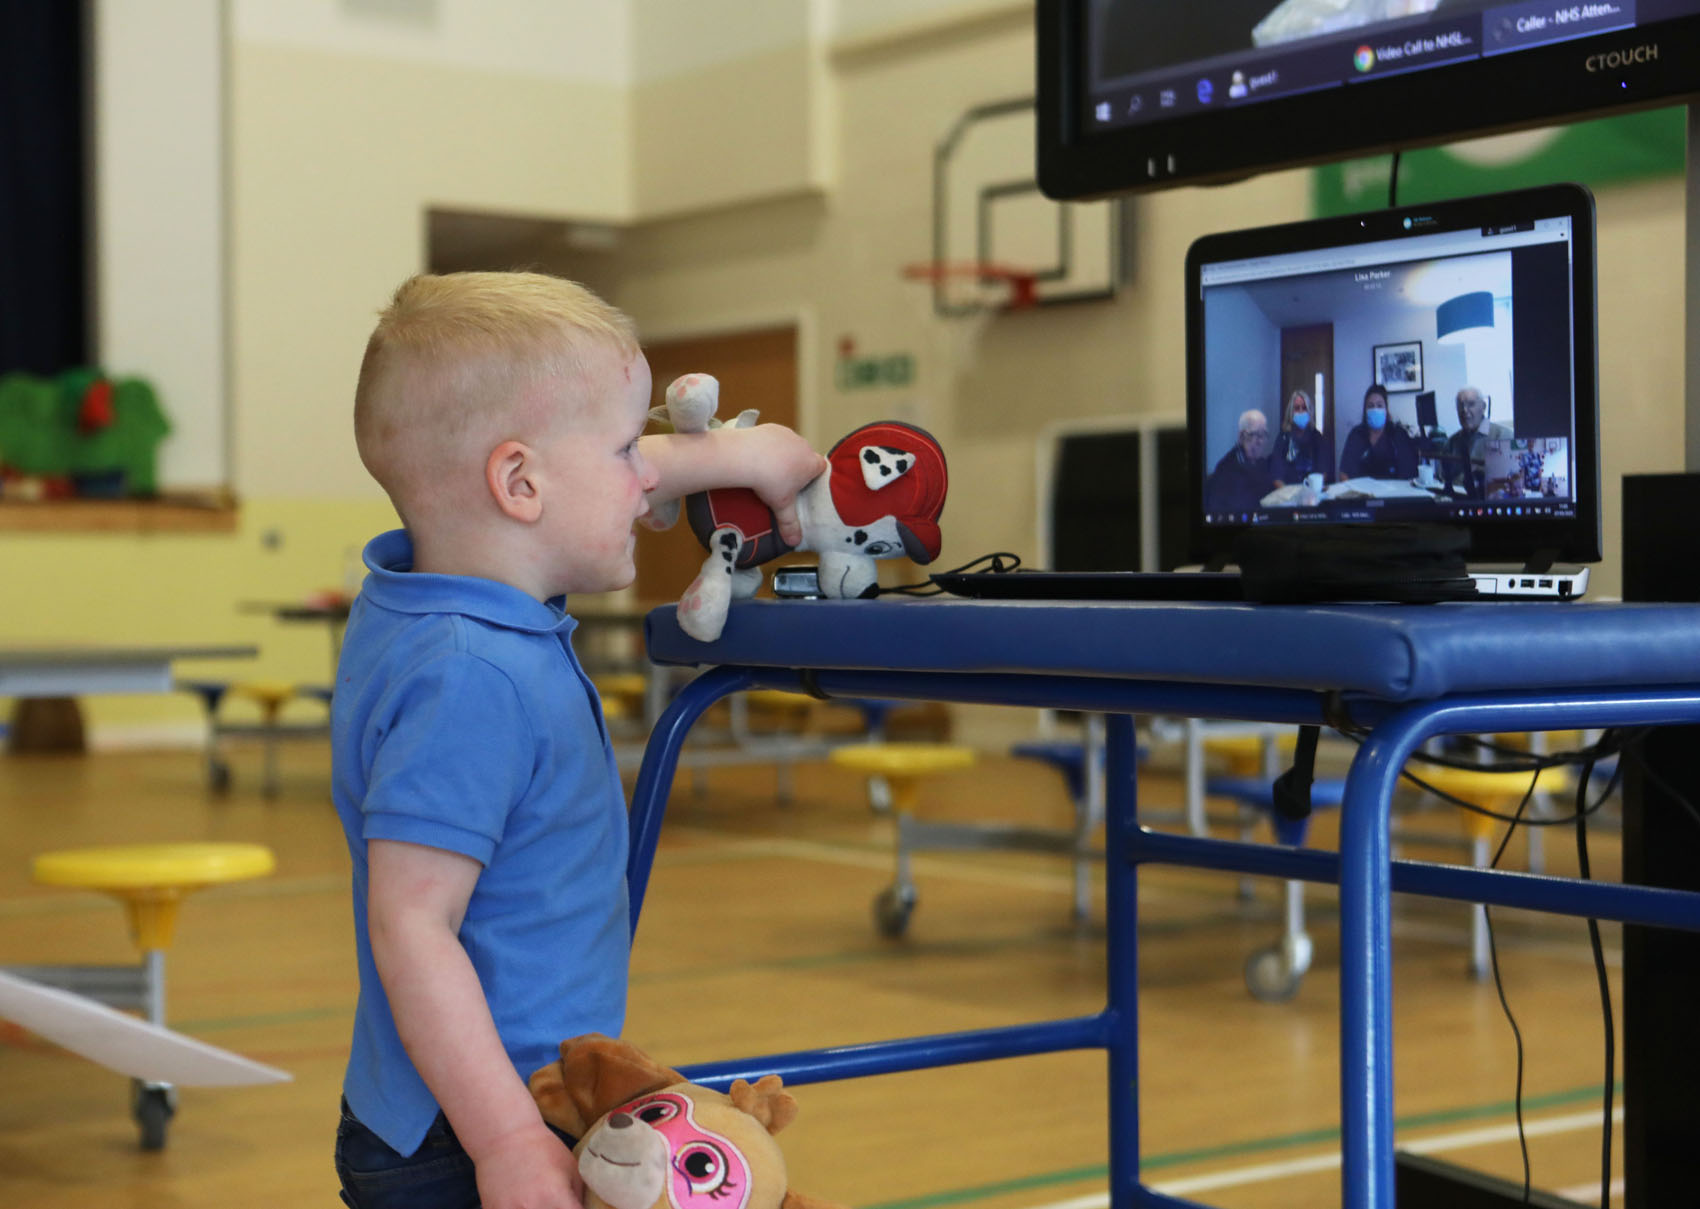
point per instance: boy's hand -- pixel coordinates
(529, 1170)
(769, 459)
(781, 465)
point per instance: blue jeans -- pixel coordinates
(439, 1175)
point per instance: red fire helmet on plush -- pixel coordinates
(891, 469)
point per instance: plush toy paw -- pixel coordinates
(702, 610)
(692, 400)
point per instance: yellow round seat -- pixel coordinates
(269, 694)
(151, 879)
(778, 699)
(620, 684)
(1244, 753)
(1520, 740)
(1497, 791)
(903, 764)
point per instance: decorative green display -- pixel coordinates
(1632, 146)
(81, 433)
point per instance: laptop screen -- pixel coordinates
(1431, 364)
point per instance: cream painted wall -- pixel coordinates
(335, 163)
(588, 40)
(157, 172)
(670, 38)
(729, 104)
(730, 133)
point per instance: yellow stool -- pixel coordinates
(787, 710)
(151, 880)
(623, 695)
(626, 688)
(270, 696)
(786, 733)
(1500, 792)
(1244, 754)
(903, 766)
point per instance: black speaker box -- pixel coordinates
(1661, 847)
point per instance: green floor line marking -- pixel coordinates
(1228, 1150)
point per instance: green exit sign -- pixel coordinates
(873, 373)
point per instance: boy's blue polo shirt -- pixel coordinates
(463, 721)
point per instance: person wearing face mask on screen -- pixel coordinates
(1300, 450)
(1376, 449)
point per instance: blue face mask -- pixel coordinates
(1301, 420)
(1375, 417)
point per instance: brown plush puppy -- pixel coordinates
(648, 1139)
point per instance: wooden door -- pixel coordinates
(756, 369)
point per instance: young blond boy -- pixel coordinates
(502, 413)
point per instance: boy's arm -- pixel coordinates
(769, 459)
(416, 899)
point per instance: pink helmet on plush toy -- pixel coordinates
(891, 469)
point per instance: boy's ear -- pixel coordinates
(509, 473)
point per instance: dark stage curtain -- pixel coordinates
(42, 210)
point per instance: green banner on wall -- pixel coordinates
(1604, 151)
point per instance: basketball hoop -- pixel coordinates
(1023, 284)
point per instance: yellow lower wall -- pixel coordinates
(189, 589)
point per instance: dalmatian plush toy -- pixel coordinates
(880, 497)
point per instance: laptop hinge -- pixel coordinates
(1540, 562)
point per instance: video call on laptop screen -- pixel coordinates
(1411, 377)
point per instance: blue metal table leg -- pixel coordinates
(1366, 975)
(655, 774)
(1366, 985)
(1121, 912)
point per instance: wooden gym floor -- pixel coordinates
(758, 938)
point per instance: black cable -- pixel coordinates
(1393, 183)
(1605, 986)
(997, 562)
(1611, 743)
(1499, 985)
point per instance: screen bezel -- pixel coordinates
(1571, 539)
(1531, 87)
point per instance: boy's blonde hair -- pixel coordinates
(452, 368)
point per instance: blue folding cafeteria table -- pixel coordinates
(1405, 672)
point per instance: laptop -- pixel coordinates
(1468, 325)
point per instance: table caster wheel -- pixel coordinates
(1269, 977)
(892, 908)
(153, 1105)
